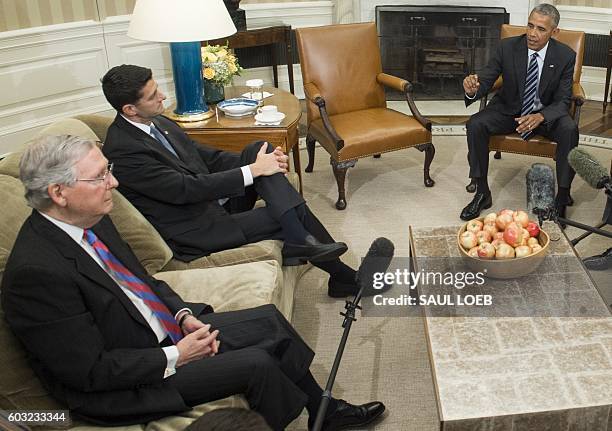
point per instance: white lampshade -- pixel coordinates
(180, 20)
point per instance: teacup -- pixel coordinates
(268, 112)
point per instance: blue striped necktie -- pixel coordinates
(159, 136)
(531, 86)
(134, 284)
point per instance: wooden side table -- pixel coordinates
(261, 37)
(608, 71)
(234, 133)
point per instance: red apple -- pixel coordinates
(490, 218)
(505, 211)
(513, 234)
(503, 220)
(483, 236)
(496, 243)
(473, 252)
(474, 225)
(468, 240)
(533, 229)
(486, 251)
(521, 217)
(504, 251)
(522, 251)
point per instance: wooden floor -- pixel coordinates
(592, 120)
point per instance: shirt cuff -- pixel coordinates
(180, 311)
(247, 176)
(172, 355)
(471, 98)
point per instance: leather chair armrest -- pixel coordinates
(311, 91)
(392, 82)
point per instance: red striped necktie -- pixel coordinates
(134, 284)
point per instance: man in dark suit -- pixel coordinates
(535, 97)
(201, 199)
(117, 346)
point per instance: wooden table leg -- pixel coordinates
(289, 55)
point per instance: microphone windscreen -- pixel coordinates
(589, 169)
(540, 187)
(377, 260)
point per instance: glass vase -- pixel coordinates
(213, 91)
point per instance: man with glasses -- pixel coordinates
(119, 347)
(201, 199)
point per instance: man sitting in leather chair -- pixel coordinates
(201, 199)
(534, 99)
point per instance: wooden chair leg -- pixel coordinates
(430, 152)
(310, 148)
(340, 174)
(497, 155)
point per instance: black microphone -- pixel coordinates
(540, 190)
(377, 260)
(589, 169)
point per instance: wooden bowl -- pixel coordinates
(507, 268)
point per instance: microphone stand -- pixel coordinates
(349, 318)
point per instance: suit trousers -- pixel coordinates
(263, 223)
(260, 356)
(482, 125)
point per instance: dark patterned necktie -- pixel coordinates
(134, 284)
(159, 136)
(531, 86)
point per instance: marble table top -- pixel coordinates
(542, 363)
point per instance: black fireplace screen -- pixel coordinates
(435, 47)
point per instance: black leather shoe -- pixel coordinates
(313, 251)
(599, 262)
(350, 416)
(480, 202)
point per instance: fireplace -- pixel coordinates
(435, 47)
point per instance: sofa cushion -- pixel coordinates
(229, 288)
(13, 213)
(146, 243)
(97, 123)
(67, 126)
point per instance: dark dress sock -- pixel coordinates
(482, 185)
(311, 388)
(337, 270)
(293, 229)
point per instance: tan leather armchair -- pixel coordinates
(346, 106)
(537, 145)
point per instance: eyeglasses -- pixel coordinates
(103, 178)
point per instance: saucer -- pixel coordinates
(270, 119)
(238, 107)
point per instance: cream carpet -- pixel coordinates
(386, 358)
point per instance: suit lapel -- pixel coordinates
(180, 150)
(520, 64)
(84, 264)
(549, 67)
(152, 143)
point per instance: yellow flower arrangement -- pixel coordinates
(219, 64)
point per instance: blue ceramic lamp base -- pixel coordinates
(189, 90)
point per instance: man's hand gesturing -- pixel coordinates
(269, 163)
(470, 85)
(197, 345)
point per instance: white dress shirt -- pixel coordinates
(171, 352)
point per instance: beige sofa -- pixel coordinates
(244, 277)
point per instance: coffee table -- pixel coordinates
(528, 373)
(234, 133)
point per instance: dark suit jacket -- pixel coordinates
(177, 195)
(88, 343)
(510, 61)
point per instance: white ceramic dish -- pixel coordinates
(238, 107)
(270, 118)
